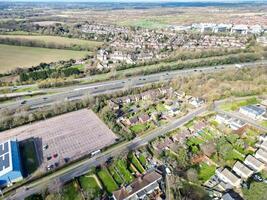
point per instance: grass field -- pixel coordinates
(71, 192)
(136, 163)
(107, 180)
(89, 184)
(206, 171)
(235, 105)
(121, 166)
(56, 40)
(12, 57)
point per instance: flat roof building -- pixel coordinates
(254, 163)
(10, 166)
(242, 170)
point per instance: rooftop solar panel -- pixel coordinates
(4, 161)
(4, 148)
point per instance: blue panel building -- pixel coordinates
(10, 165)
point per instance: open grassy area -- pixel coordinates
(231, 106)
(71, 192)
(12, 57)
(138, 128)
(206, 171)
(136, 163)
(55, 40)
(142, 160)
(146, 23)
(264, 123)
(107, 180)
(29, 158)
(122, 167)
(115, 174)
(89, 184)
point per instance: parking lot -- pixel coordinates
(64, 138)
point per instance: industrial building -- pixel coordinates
(10, 165)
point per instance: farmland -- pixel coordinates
(12, 57)
(52, 41)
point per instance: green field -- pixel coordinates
(206, 171)
(89, 184)
(71, 192)
(235, 105)
(122, 167)
(107, 180)
(136, 163)
(12, 57)
(55, 40)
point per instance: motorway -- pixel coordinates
(82, 167)
(81, 91)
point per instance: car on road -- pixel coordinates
(23, 102)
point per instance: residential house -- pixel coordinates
(196, 101)
(228, 177)
(144, 118)
(254, 163)
(132, 121)
(252, 111)
(140, 187)
(261, 155)
(242, 170)
(236, 124)
(223, 119)
(264, 145)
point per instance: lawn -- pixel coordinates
(115, 174)
(12, 57)
(142, 160)
(122, 167)
(136, 163)
(256, 191)
(29, 158)
(138, 128)
(235, 105)
(264, 123)
(107, 180)
(205, 171)
(89, 184)
(56, 40)
(71, 191)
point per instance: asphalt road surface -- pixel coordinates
(84, 166)
(80, 91)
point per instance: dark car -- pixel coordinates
(23, 102)
(257, 178)
(49, 157)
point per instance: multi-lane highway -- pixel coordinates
(80, 91)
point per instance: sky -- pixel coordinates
(145, 0)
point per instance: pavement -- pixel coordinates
(82, 167)
(76, 92)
